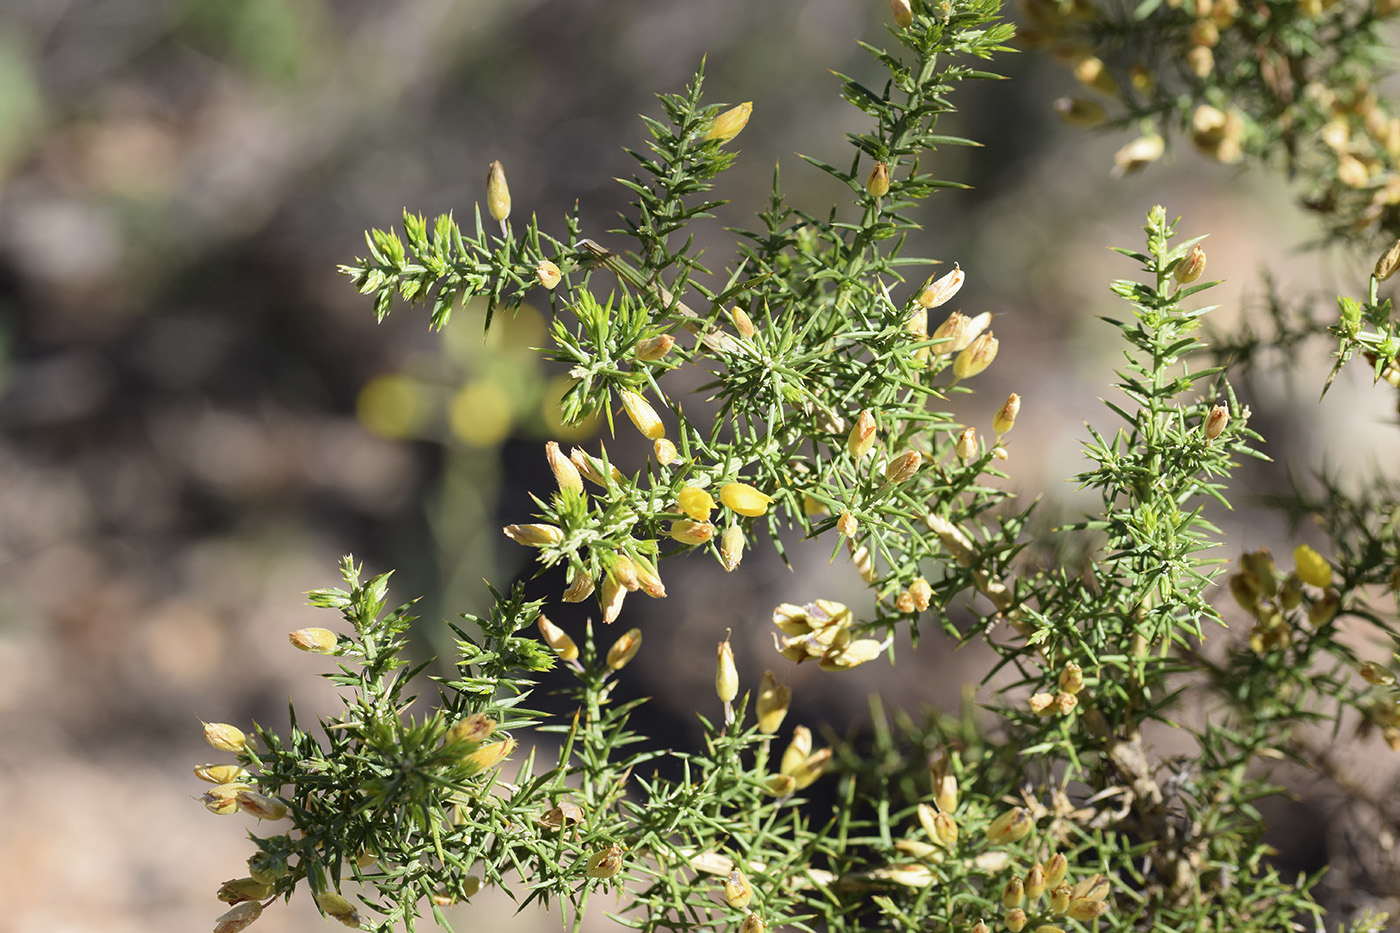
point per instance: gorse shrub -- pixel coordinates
(830, 357)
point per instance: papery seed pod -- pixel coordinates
(651, 349)
(691, 532)
(902, 12)
(1056, 869)
(1013, 893)
(812, 768)
(1085, 909)
(862, 436)
(772, 703)
(695, 502)
(728, 124)
(1076, 111)
(1215, 421)
(225, 737)
(1012, 826)
(497, 194)
(922, 593)
(743, 324)
(1005, 418)
(797, 750)
(744, 499)
(624, 649)
(315, 640)
(731, 547)
(1059, 899)
(1016, 920)
(753, 923)
(847, 524)
(737, 890)
(1138, 154)
(604, 864)
(1377, 674)
(726, 674)
(337, 907)
(1191, 266)
(580, 587)
(475, 729)
(239, 918)
(948, 338)
(487, 756)
(1035, 881)
(976, 357)
(565, 473)
(547, 274)
(643, 416)
(557, 639)
(535, 534)
(238, 890)
(966, 447)
(1071, 678)
(610, 599)
(220, 774)
(902, 468)
(937, 292)
(665, 451)
(877, 184)
(1313, 568)
(1388, 263)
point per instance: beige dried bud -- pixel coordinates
(1042, 704)
(772, 703)
(797, 750)
(624, 649)
(1076, 111)
(1005, 418)
(737, 890)
(1065, 703)
(648, 579)
(779, 785)
(260, 805)
(1377, 674)
(1035, 881)
(902, 12)
(497, 193)
(651, 349)
(731, 547)
(937, 292)
(314, 640)
(1325, 608)
(943, 782)
(1056, 869)
(1216, 421)
(1092, 72)
(225, 737)
(220, 774)
(1191, 266)
(238, 890)
(337, 907)
(862, 436)
(557, 639)
(547, 273)
(812, 768)
(877, 184)
(1387, 264)
(591, 468)
(565, 473)
(665, 451)
(691, 532)
(1085, 909)
(604, 864)
(1072, 678)
(487, 756)
(966, 447)
(580, 587)
(976, 357)
(847, 524)
(222, 799)
(1138, 154)
(950, 335)
(473, 730)
(922, 593)
(1012, 826)
(1013, 893)
(1060, 896)
(902, 468)
(239, 918)
(726, 674)
(625, 572)
(743, 324)
(753, 923)
(642, 415)
(728, 124)
(534, 535)
(610, 599)
(1016, 920)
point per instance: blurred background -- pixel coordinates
(199, 416)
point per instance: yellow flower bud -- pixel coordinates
(547, 273)
(797, 750)
(497, 193)
(1012, 826)
(239, 918)
(315, 640)
(610, 599)
(726, 675)
(604, 864)
(691, 532)
(737, 890)
(862, 436)
(1005, 418)
(1056, 869)
(937, 292)
(225, 737)
(1313, 568)
(877, 185)
(902, 468)
(624, 649)
(220, 774)
(695, 502)
(772, 703)
(239, 890)
(976, 357)
(966, 447)
(643, 416)
(475, 729)
(485, 757)
(1013, 893)
(753, 923)
(1059, 899)
(1016, 920)
(728, 124)
(337, 907)
(665, 451)
(557, 639)
(744, 499)
(812, 768)
(742, 323)
(260, 805)
(651, 349)
(1035, 881)
(847, 524)
(534, 535)
(902, 12)
(1191, 266)
(1076, 111)
(1388, 263)
(779, 785)
(1216, 421)
(580, 587)
(565, 473)
(1072, 678)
